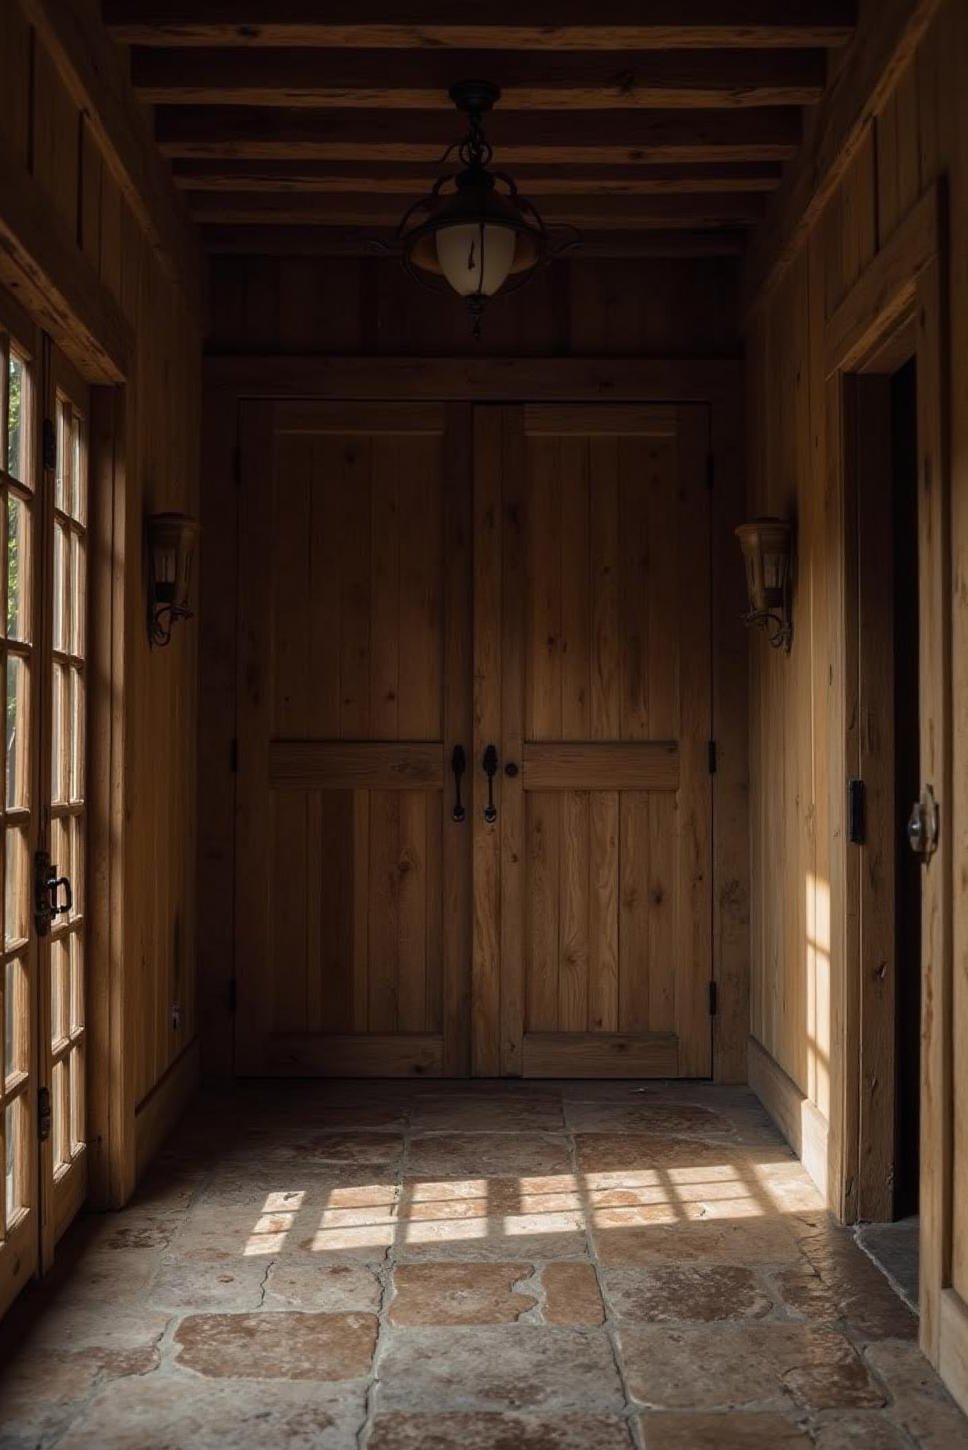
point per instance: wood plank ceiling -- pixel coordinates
(652, 125)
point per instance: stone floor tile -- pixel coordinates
(740, 1366)
(281, 1345)
(649, 1118)
(164, 1412)
(495, 1113)
(184, 1285)
(425, 1200)
(571, 1294)
(455, 1293)
(895, 1247)
(349, 1146)
(535, 1236)
(843, 1283)
(617, 1153)
(724, 1431)
(486, 1155)
(298, 1282)
(685, 1293)
(705, 1241)
(873, 1431)
(919, 1401)
(511, 1367)
(498, 1432)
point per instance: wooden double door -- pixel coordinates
(474, 793)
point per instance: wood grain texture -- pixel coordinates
(600, 1054)
(649, 765)
(372, 765)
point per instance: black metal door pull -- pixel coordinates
(490, 770)
(47, 888)
(458, 764)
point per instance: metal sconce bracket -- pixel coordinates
(777, 627)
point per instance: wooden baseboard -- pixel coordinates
(799, 1120)
(953, 1352)
(600, 1054)
(157, 1114)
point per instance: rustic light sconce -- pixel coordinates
(171, 555)
(767, 548)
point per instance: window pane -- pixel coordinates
(76, 1061)
(16, 418)
(78, 490)
(60, 986)
(14, 1125)
(77, 735)
(61, 602)
(18, 568)
(14, 1020)
(17, 887)
(60, 1113)
(58, 775)
(63, 440)
(78, 582)
(76, 944)
(75, 864)
(18, 732)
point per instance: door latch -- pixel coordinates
(922, 826)
(48, 903)
(489, 764)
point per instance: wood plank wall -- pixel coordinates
(655, 307)
(43, 128)
(920, 136)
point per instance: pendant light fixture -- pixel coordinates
(473, 232)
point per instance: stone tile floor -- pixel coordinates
(427, 1266)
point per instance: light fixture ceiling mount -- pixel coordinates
(473, 233)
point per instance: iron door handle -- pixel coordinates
(47, 889)
(922, 826)
(490, 770)
(458, 764)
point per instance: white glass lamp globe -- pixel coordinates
(476, 257)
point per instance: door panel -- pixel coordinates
(598, 866)
(63, 834)
(353, 693)
(20, 397)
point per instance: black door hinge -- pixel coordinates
(50, 444)
(713, 999)
(856, 824)
(234, 757)
(44, 1114)
(233, 995)
(713, 758)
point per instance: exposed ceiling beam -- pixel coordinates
(531, 80)
(505, 24)
(96, 79)
(836, 129)
(768, 134)
(409, 178)
(634, 213)
(358, 242)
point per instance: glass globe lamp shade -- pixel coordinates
(476, 257)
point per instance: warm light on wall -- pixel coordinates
(171, 542)
(767, 548)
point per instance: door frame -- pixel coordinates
(232, 380)
(897, 309)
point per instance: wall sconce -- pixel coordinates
(171, 554)
(767, 549)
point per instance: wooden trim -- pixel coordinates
(884, 292)
(798, 1119)
(347, 417)
(938, 1026)
(625, 419)
(110, 1066)
(55, 283)
(95, 75)
(837, 128)
(354, 765)
(671, 24)
(478, 380)
(399, 1055)
(157, 1114)
(563, 765)
(600, 1054)
(730, 730)
(953, 1362)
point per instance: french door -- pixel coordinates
(474, 806)
(43, 481)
